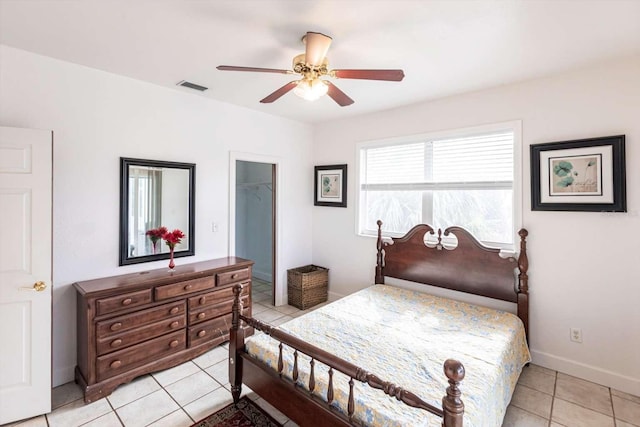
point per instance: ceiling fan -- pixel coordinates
(312, 65)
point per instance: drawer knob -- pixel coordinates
(202, 333)
(174, 310)
(202, 300)
(116, 343)
(115, 364)
(127, 301)
(116, 326)
(234, 276)
(174, 325)
(201, 315)
(173, 343)
(188, 287)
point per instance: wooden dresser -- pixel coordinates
(137, 323)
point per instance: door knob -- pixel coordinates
(37, 287)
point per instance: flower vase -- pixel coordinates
(154, 246)
(172, 264)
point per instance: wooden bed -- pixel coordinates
(470, 267)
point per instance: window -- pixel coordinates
(461, 178)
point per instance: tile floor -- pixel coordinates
(189, 392)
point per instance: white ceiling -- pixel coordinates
(444, 47)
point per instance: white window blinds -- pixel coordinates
(463, 180)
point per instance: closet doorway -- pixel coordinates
(255, 214)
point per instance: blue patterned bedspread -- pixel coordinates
(404, 337)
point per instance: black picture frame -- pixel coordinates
(125, 256)
(585, 175)
(330, 186)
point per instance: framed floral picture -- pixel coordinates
(579, 175)
(331, 186)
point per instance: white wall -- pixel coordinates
(98, 117)
(584, 267)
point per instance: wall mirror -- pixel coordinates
(154, 194)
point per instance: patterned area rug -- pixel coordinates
(245, 414)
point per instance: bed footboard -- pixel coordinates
(452, 407)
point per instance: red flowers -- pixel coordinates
(156, 234)
(173, 238)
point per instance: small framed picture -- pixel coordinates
(580, 175)
(331, 186)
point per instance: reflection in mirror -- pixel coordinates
(155, 194)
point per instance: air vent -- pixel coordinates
(192, 85)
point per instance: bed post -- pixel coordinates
(452, 405)
(236, 345)
(523, 282)
(379, 276)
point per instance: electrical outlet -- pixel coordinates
(575, 334)
(214, 227)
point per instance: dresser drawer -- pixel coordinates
(123, 301)
(183, 288)
(225, 294)
(120, 324)
(209, 312)
(232, 276)
(211, 330)
(134, 336)
(140, 354)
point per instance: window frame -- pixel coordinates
(514, 126)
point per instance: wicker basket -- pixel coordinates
(307, 286)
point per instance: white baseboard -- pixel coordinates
(587, 372)
(262, 275)
(63, 375)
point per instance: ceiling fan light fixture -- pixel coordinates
(311, 89)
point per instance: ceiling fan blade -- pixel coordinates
(317, 47)
(337, 95)
(253, 69)
(278, 93)
(390, 75)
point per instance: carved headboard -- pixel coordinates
(470, 267)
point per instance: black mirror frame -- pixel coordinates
(125, 162)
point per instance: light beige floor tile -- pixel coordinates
(268, 315)
(584, 393)
(287, 309)
(531, 400)
(298, 314)
(192, 387)
(258, 308)
(171, 375)
(624, 395)
(108, 420)
(624, 424)
(281, 320)
(261, 297)
(555, 424)
(269, 409)
(219, 372)
(211, 357)
(572, 415)
(136, 389)
(64, 394)
(40, 421)
(77, 413)
(147, 409)
(178, 418)
(541, 369)
(537, 380)
(516, 417)
(626, 410)
(208, 404)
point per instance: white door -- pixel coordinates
(25, 273)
